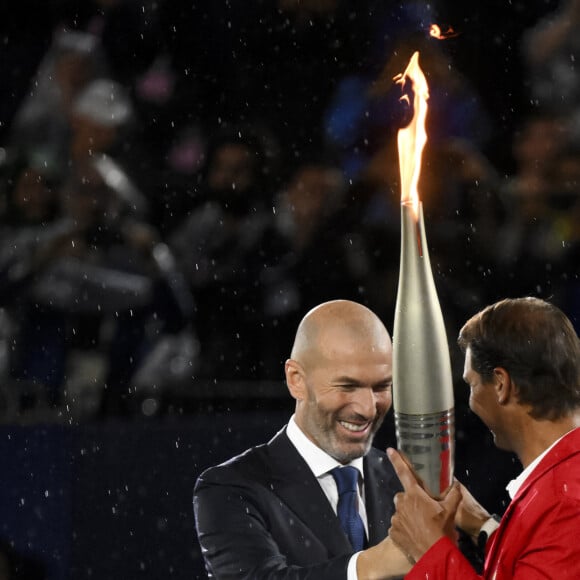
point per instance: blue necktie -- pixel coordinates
(347, 483)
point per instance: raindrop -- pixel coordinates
(149, 407)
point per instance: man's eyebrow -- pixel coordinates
(345, 379)
(385, 381)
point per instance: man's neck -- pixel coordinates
(540, 434)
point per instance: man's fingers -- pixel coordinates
(409, 465)
(396, 498)
(462, 488)
(417, 477)
(404, 472)
(453, 498)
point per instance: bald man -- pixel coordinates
(272, 511)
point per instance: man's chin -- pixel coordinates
(348, 453)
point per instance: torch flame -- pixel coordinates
(435, 32)
(411, 140)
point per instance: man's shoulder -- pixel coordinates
(565, 475)
(253, 465)
(561, 463)
(245, 461)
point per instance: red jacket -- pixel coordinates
(539, 534)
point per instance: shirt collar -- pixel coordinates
(318, 460)
(514, 485)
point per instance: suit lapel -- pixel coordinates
(294, 483)
(381, 485)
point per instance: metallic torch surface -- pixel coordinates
(422, 380)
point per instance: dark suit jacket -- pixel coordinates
(263, 514)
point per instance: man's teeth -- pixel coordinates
(353, 427)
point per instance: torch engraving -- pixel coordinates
(422, 381)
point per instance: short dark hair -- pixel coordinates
(536, 344)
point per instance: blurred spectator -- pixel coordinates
(127, 31)
(320, 257)
(222, 247)
(104, 123)
(27, 192)
(538, 243)
(531, 246)
(42, 125)
(29, 232)
(89, 282)
(101, 119)
(75, 110)
(551, 50)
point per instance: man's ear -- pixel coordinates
(504, 388)
(295, 379)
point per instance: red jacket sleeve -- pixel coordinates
(443, 561)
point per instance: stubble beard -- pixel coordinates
(340, 451)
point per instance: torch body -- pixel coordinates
(422, 381)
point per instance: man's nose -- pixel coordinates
(366, 401)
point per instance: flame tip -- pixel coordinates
(412, 138)
(436, 32)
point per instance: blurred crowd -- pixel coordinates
(180, 182)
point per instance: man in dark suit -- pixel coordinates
(276, 511)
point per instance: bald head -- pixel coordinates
(336, 324)
(340, 375)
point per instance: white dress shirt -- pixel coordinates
(320, 463)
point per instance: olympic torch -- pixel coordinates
(422, 382)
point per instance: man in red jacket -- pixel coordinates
(522, 364)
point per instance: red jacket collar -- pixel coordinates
(567, 446)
